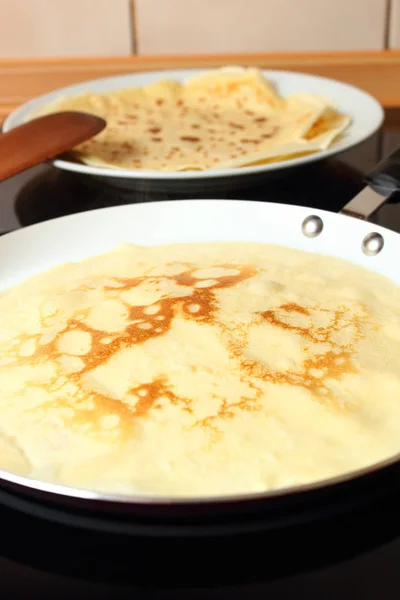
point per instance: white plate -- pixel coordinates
(366, 114)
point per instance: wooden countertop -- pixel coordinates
(376, 72)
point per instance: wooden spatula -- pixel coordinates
(45, 138)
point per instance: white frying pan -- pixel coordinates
(36, 248)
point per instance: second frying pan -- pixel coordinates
(79, 236)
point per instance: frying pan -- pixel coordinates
(348, 235)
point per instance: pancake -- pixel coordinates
(222, 119)
(199, 370)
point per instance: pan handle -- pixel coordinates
(385, 177)
(383, 185)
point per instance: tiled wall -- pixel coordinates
(121, 27)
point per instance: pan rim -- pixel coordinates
(67, 492)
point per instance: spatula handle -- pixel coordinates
(44, 138)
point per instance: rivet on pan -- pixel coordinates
(312, 226)
(372, 244)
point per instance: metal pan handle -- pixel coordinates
(386, 175)
(383, 185)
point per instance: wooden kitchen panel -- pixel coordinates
(208, 26)
(38, 28)
(375, 72)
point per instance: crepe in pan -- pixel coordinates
(199, 370)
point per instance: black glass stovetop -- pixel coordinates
(373, 573)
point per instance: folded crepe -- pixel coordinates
(222, 119)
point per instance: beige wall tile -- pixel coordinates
(394, 25)
(207, 26)
(64, 27)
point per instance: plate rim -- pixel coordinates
(14, 119)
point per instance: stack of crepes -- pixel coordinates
(221, 119)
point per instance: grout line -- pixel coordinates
(133, 28)
(387, 24)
